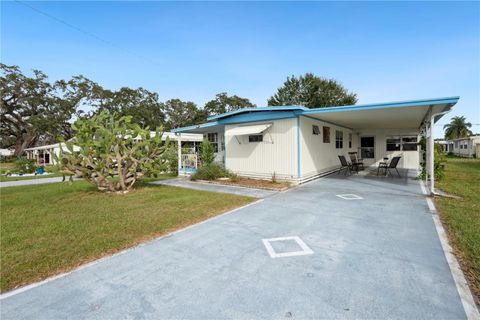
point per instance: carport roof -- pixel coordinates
(397, 115)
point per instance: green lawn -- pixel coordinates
(462, 217)
(41, 176)
(48, 229)
(4, 166)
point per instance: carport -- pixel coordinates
(411, 117)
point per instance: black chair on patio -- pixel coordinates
(388, 166)
(347, 166)
(356, 161)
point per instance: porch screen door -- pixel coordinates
(367, 147)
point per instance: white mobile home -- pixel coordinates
(297, 144)
(463, 147)
(46, 155)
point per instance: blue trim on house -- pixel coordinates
(298, 148)
(258, 116)
(329, 122)
(401, 104)
(197, 126)
(259, 109)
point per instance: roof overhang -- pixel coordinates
(392, 115)
(45, 147)
(214, 126)
(397, 115)
(255, 110)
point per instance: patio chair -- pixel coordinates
(355, 160)
(388, 166)
(347, 166)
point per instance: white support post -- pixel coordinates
(179, 150)
(426, 154)
(431, 167)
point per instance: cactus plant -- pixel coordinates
(113, 152)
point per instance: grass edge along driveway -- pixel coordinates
(54, 228)
(461, 217)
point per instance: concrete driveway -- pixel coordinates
(376, 257)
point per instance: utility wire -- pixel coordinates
(88, 33)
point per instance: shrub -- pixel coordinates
(25, 165)
(171, 158)
(439, 161)
(207, 154)
(211, 172)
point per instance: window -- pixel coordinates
(326, 134)
(339, 139)
(213, 139)
(393, 143)
(315, 130)
(255, 138)
(409, 144)
(350, 136)
(397, 143)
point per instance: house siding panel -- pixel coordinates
(276, 154)
(408, 160)
(316, 156)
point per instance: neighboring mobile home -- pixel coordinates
(463, 147)
(46, 155)
(297, 144)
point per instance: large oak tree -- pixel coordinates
(225, 103)
(312, 92)
(142, 105)
(180, 113)
(33, 109)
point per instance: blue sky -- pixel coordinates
(383, 51)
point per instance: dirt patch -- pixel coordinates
(251, 183)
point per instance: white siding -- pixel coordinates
(469, 146)
(276, 154)
(316, 156)
(409, 159)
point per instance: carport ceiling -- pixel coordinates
(404, 117)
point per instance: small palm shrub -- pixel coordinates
(170, 157)
(207, 154)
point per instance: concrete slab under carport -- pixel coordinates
(376, 258)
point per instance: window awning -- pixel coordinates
(246, 130)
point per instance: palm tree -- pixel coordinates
(457, 128)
